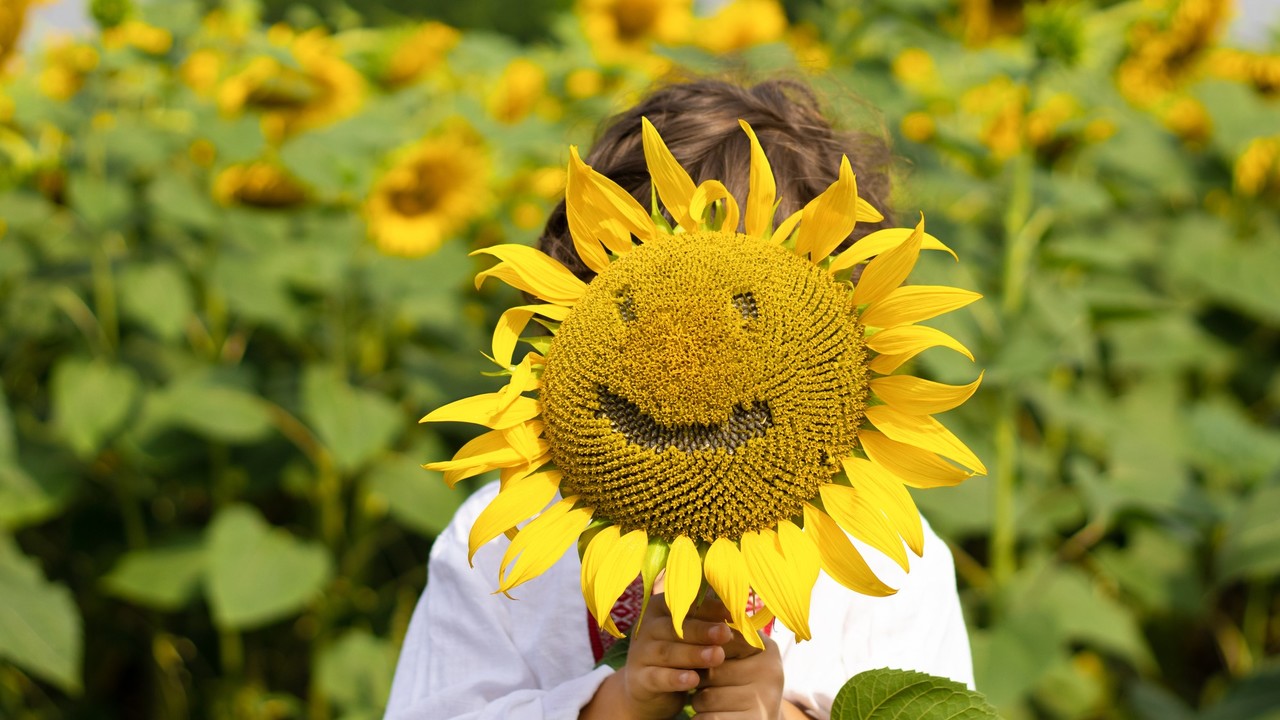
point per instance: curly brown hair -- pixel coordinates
(698, 120)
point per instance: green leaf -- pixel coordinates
(219, 412)
(40, 626)
(353, 423)
(101, 202)
(355, 672)
(258, 574)
(91, 400)
(165, 578)
(1251, 545)
(157, 296)
(891, 694)
(8, 438)
(1256, 697)
(1010, 658)
(415, 497)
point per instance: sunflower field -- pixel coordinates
(235, 272)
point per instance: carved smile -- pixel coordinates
(744, 423)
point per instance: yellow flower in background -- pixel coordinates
(1001, 105)
(742, 24)
(1257, 166)
(1163, 59)
(421, 52)
(985, 20)
(626, 30)
(915, 68)
(715, 404)
(1262, 71)
(319, 87)
(65, 68)
(583, 83)
(806, 44)
(521, 86)
(261, 184)
(13, 17)
(431, 192)
(202, 70)
(918, 127)
(1046, 119)
(138, 35)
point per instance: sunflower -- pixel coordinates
(715, 404)
(13, 16)
(261, 184)
(625, 30)
(742, 24)
(431, 192)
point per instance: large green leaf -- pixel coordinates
(91, 400)
(1251, 545)
(257, 574)
(102, 202)
(158, 296)
(219, 412)
(162, 577)
(40, 627)
(352, 422)
(887, 694)
(414, 496)
(355, 672)
(1256, 697)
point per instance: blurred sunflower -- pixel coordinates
(714, 404)
(138, 35)
(625, 30)
(261, 184)
(742, 24)
(431, 192)
(320, 88)
(13, 17)
(422, 51)
(66, 66)
(1258, 166)
(521, 87)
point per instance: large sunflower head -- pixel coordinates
(718, 402)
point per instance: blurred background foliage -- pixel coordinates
(234, 272)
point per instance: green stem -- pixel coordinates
(1004, 530)
(104, 299)
(231, 650)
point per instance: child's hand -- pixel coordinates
(661, 668)
(748, 685)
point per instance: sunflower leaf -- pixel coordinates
(887, 693)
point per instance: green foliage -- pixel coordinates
(885, 693)
(211, 499)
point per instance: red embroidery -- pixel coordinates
(626, 612)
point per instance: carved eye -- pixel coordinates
(745, 304)
(626, 308)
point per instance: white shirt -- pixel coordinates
(471, 654)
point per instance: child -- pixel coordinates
(472, 654)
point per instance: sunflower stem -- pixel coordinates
(1004, 530)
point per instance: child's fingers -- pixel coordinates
(710, 609)
(661, 680)
(677, 654)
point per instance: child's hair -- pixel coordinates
(698, 120)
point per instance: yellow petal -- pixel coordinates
(488, 451)
(522, 381)
(916, 396)
(786, 228)
(762, 190)
(526, 439)
(527, 269)
(888, 270)
(599, 210)
(913, 303)
(683, 580)
(866, 212)
(518, 501)
(863, 519)
(830, 217)
(910, 340)
(884, 490)
(784, 583)
(915, 467)
(882, 241)
(840, 558)
(674, 185)
(620, 566)
(513, 322)
(592, 561)
(925, 433)
(727, 574)
(709, 192)
(486, 409)
(541, 543)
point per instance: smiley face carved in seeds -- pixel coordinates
(728, 362)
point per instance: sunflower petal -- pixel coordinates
(910, 340)
(779, 579)
(762, 190)
(887, 492)
(620, 566)
(518, 501)
(925, 433)
(655, 560)
(888, 271)
(915, 467)
(787, 226)
(598, 210)
(683, 580)
(576, 211)
(840, 558)
(541, 543)
(916, 396)
(863, 519)
(727, 574)
(674, 185)
(592, 561)
(913, 303)
(486, 409)
(830, 217)
(488, 451)
(526, 439)
(709, 192)
(882, 241)
(527, 269)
